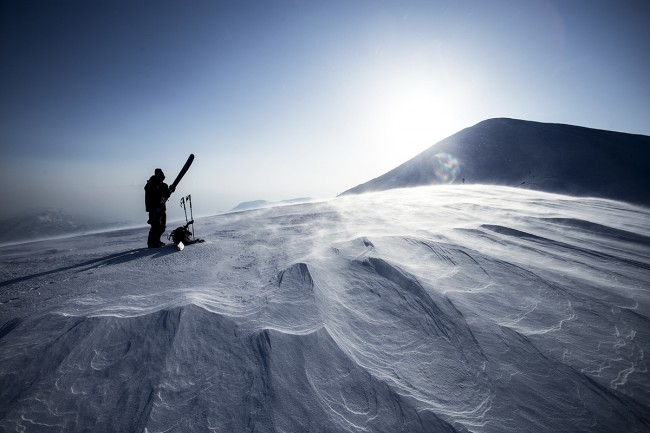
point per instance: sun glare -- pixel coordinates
(409, 113)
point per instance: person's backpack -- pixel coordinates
(181, 234)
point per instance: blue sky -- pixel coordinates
(284, 99)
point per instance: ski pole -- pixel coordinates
(189, 198)
(183, 206)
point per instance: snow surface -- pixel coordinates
(434, 309)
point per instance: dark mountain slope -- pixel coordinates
(548, 157)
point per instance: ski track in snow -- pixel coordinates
(458, 308)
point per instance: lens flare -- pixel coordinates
(446, 168)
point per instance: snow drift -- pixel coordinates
(436, 309)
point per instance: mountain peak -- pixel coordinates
(548, 157)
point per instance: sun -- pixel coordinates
(410, 112)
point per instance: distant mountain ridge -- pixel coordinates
(548, 157)
(256, 204)
(47, 223)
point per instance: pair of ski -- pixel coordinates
(186, 167)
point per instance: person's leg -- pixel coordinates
(163, 226)
(153, 241)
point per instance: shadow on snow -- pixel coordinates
(111, 259)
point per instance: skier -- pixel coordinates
(156, 194)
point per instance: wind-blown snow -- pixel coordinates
(450, 308)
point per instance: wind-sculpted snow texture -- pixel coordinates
(436, 309)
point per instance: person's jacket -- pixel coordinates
(154, 193)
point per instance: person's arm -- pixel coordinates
(166, 191)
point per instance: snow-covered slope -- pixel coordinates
(547, 157)
(436, 309)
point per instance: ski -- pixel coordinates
(182, 172)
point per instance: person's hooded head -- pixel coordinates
(159, 175)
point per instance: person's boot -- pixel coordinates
(151, 242)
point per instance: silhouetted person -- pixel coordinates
(156, 193)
